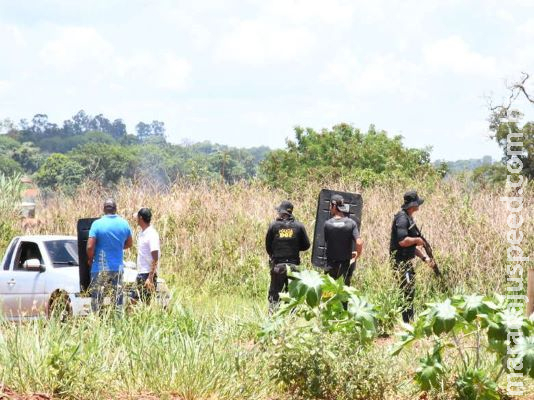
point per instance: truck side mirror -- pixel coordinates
(33, 264)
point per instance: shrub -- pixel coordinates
(318, 365)
(320, 336)
(484, 337)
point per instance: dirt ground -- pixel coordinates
(8, 394)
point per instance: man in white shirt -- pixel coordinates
(148, 255)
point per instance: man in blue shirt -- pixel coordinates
(109, 236)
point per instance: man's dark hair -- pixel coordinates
(145, 214)
(110, 207)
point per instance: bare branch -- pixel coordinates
(520, 87)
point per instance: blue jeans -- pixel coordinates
(106, 284)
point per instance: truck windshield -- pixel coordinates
(63, 253)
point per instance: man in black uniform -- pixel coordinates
(403, 248)
(285, 238)
(341, 236)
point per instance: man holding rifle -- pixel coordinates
(405, 245)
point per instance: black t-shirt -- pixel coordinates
(403, 226)
(339, 235)
(285, 239)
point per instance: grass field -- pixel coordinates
(206, 346)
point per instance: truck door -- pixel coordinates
(5, 274)
(23, 291)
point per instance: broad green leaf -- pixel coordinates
(427, 377)
(306, 285)
(445, 317)
(472, 306)
(498, 346)
(525, 353)
(406, 339)
(362, 311)
(504, 322)
(496, 331)
(512, 319)
(474, 384)
(429, 372)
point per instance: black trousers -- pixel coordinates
(279, 282)
(405, 272)
(342, 268)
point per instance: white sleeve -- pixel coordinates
(154, 242)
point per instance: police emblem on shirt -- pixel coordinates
(286, 233)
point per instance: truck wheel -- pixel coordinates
(60, 307)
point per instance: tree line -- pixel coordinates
(97, 148)
(62, 156)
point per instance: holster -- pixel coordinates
(282, 268)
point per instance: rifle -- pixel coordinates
(429, 252)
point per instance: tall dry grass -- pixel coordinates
(212, 235)
(214, 260)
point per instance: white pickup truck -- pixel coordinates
(40, 273)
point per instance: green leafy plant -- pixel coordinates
(319, 337)
(329, 305)
(479, 331)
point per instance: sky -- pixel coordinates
(245, 73)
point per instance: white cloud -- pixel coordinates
(257, 42)
(475, 129)
(319, 63)
(454, 54)
(85, 54)
(376, 75)
(172, 73)
(527, 28)
(163, 71)
(4, 86)
(76, 46)
(298, 11)
(11, 34)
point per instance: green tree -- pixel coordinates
(107, 153)
(154, 164)
(508, 132)
(505, 123)
(344, 151)
(107, 164)
(490, 175)
(64, 144)
(7, 144)
(60, 172)
(153, 132)
(8, 166)
(28, 156)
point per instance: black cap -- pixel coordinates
(412, 199)
(339, 202)
(285, 207)
(110, 205)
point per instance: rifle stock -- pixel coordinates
(429, 252)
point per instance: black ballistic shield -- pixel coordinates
(323, 214)
(83, 227)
